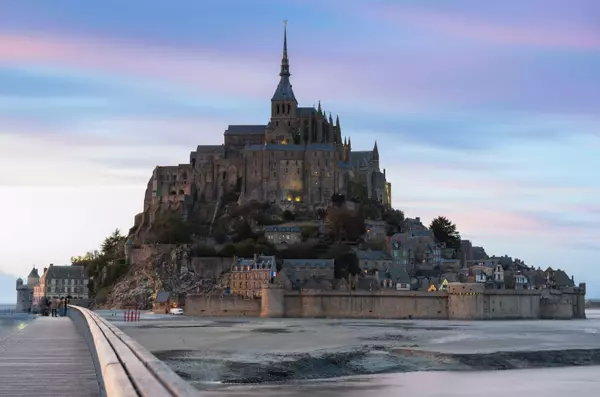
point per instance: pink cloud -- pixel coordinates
(251, 74)
(487, 31)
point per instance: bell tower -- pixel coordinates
(283, 103)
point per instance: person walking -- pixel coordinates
(51, 308)
(59, 306)
(66, 305)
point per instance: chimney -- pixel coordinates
(45, 269)
(52, 264)
(418, 219)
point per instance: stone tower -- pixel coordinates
(284, 105)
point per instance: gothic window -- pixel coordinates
(277, 109)
(289, 108)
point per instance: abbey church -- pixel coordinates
(298, 158)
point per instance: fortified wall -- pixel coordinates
(460, 302)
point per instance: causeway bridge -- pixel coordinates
(82, 355)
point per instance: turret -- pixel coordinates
(33, 278)
(19, 282)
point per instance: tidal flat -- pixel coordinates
(217, 353)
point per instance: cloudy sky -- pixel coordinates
(487, 113)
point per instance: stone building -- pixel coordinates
(298, 158)
(298, 271)
(283, 234)
(25, 291)
(249, 275)
(61, 281)
(374, 260)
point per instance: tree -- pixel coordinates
(346, 261)
(112, 246)
(445, 232)
(171, 229)
(345, 224)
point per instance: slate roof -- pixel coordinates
(283, 229)
(33, 273)
(65, 272)
(284, 91)
(373, 255)
(309, 262)
(245, 130)
(302, 111)
(162, 297)
(561, 279)
(367, 284)
(361, 158)
(293, 148)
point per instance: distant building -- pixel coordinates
(25, 291)
(299, 271)
(249, 276)
(61, 281)
(374, 260)
(375, 229)
(283, 234)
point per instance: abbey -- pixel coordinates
(298, 158)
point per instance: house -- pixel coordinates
(367, 284)
(374, 260)
(521, 281)
(62, 281)
(279, 235)
(162, 302)
(299, 271)
(249, 276)
(341, 285)
(375, 230)
(558, 278)
(498, 276)
(396, 278)
(481, 274)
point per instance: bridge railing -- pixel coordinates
(124, 367)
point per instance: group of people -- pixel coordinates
(58, 307)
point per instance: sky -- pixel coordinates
(486, 113)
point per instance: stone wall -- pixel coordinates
(221, 305)
(359, 304)
(146, 251)
(210, 267)
(461, 302)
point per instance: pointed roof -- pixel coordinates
(284, 91)
(375, 152)
(34, 273)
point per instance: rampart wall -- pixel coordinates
(460, 302)
(221, 305)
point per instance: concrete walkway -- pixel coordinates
(47, 358)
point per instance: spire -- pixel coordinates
(319, 108)
(345, 141)
(330, 119)
(284, 90)
(285, 62)
(375, 152)
(337, 121)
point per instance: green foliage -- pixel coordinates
(241, 231)
(345, 224)
(375, 244)
(445, 231)
(394, 218)
(202, 250)
(169, 228)
(346, 261)
(308, 231)
(288, 216)
(112, 246)
(228, 251)
(357, 192)
(299, 251)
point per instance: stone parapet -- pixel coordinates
(124, 367)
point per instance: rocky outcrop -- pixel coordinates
(165, 268)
